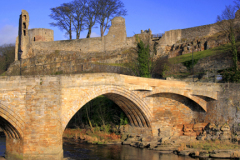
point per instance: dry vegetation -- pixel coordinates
(92, 136)
(213, 145)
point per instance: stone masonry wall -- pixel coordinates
(115, 39)
(171, 111)
(56, 62)
(173, 36)
(226, 109)
(40, 34)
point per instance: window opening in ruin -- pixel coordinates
(24, 25)
(24, 17)
(24, 32)
(205, 46)
(34, 39)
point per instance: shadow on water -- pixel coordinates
(85, 151)
(2, 144)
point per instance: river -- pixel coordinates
(80, 151)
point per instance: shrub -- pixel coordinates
(190, 64)
(231, 75)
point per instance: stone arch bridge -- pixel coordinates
(35, 110)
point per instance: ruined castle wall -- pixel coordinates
(22, 41)
(173, 36)
(131, 41)
(200, 31)
(116, 37)
(83, 45)
(170, 37)
(40, 34)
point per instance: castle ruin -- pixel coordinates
(31, 42)
(39, 50)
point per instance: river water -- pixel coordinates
(84, 151)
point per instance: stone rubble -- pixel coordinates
(191, 133)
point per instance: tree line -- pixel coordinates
(7, 56)
(79, 15)
(227, 25)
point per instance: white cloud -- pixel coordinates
(8, 34)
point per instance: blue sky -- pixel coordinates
(158, 15)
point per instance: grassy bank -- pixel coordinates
(94, 136)
(202, 54)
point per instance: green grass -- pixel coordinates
(3, 74)
(202, 54)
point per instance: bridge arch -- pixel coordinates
(11, 123)
(136, 110)
(186, 93)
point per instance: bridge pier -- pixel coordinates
(14, 149)
(32, 147)
(36, 146)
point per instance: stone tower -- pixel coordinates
(117, 36)
(22, 41)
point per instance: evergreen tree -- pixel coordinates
(144, 62)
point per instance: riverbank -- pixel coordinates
(214, 141)
(195, 149)
(94, 136)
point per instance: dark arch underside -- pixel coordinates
(8, 129)
(135, 115)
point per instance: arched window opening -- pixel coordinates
(34, 39)
(24, 32)
(24, 25)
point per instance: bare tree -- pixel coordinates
(108, 9)
(79, 14)
(91, 15)
(63, 16)
(237, 4)
(226, 23)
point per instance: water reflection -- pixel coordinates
(117, 152)
(80, 151)
(2, 146)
